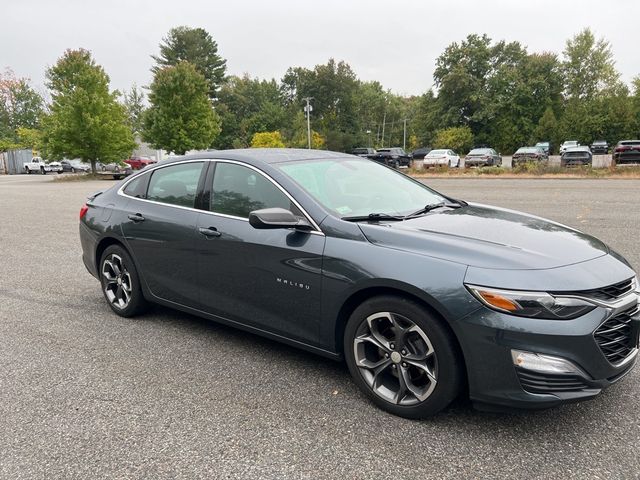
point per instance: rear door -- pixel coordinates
(160, 229)
(269, 279)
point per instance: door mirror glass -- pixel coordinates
(268, 218)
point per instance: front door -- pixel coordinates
(269, 279)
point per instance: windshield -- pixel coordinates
(434, 153)
(480, 151)
(527, 150)
(354, 187)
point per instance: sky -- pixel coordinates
(393, 41)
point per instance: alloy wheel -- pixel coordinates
(117, 281)
(395, 358)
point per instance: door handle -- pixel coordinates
(136, 217)
(209, 232)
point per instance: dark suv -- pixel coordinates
(600, 147)
(394, 157)
(627, 151)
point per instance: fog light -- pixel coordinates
(544, 363)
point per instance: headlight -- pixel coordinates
(531, 304)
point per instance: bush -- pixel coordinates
(267, 140)
(459, 139)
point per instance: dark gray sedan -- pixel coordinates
(482, 157)
(425, 297)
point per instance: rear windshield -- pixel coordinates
(433, 153)
(630, 142)
(480, 151)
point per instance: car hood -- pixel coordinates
(488, 237)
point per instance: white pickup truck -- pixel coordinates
(38, 165)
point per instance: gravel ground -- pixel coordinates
(86, 394)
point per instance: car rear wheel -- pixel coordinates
(402, 357)
(120, 282)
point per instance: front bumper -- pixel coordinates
(489, 338)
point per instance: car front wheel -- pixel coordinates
(120, 282)
(402, 357)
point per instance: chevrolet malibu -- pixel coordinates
(425, 297)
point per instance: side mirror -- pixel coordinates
(269, 218)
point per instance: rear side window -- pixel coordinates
(137, 187)
(239, 190)
(176, 184)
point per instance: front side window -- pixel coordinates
(175, 184)
(239, 190)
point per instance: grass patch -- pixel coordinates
(82, 177)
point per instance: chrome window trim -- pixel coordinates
(149, 170)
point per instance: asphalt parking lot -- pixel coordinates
(86, 394)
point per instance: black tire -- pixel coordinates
(28, 171)
(73, 170)
(42, 171)
(137, 304)
(447, 367)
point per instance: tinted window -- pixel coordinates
(137, 187)
(239, 190)
(176, 185)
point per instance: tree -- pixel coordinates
(20, 105)
(86, 121)
(248, 106)
(588, 66)
(180, 116)
(196, 46)
(547, 128)
(459, 139)
(133, 102)
(267, 140)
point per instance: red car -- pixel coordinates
(139, 162)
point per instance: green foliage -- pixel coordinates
(248, 106)
(85, 120)
(458, 139)
(589, 68)
(20, 107)
(547, 128)
(196, 46)
(267, 140)
(180, 117)
(29, 138)
(133, 102)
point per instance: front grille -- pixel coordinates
(611, 292)
(536, 382)
(617, 337)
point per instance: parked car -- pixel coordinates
(139, 162)
(423, 295)
(112, 167)
(576, 156)
(546, 146)
(482, 157)
(600, 147)
(568, 144)
(394, 157)
(122, 172)
(441, 158)
(528, 154)
(420, 153)
(363, 152)
(38, 165)
(627, 151)
(74, 166)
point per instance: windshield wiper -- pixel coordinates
(374, 217)
(433, 206)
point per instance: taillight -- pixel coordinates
(83, 211)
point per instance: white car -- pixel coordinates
(38, 165)
(441, 158)
(568, 144)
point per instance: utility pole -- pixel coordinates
(404, 137)
(384, 120)
(307, 109)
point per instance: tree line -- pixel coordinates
(484, 93)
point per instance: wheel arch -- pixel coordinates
(407, 292)
(105, 243)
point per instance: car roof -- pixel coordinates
(581, 148)
(262, 155)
